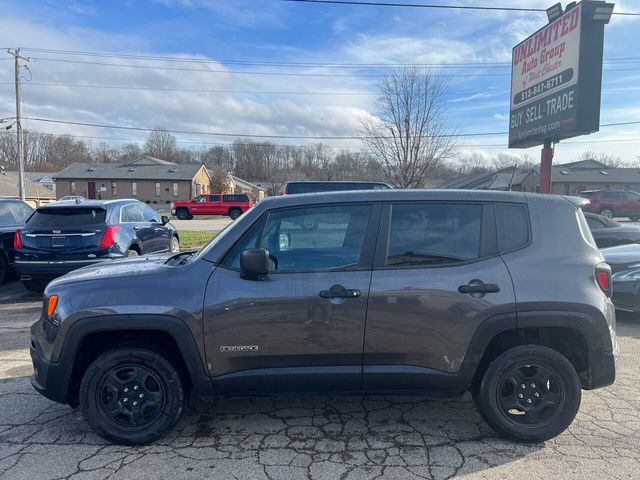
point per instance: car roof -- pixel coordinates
(395, 195)
(88, 203)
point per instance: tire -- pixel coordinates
(107, 396)
(634, 219)
(34, 285)
(607, 212)
(174, 246)
(554, 404)
(132, 253)
(3, 268)
(234, 213)
(183, 214)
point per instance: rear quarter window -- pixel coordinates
(512, 224)
(584, 228)
(66, 217)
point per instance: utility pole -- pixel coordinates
(19, 134)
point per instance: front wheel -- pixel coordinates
(175, 245)
(530, 393)
(183, 214)
(131, 396)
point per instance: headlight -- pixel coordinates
(632, 275)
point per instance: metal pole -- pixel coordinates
(545, 167)
(19, 136)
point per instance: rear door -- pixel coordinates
(302, 326)
(131, 218)
(63, 233)
(437, 276)
(214, 205)
(160, 237)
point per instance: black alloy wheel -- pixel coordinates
(530, 393)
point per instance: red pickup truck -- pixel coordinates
(233, 205)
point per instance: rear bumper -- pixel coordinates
(48, 270)
(626, 296)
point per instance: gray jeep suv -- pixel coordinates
(502, 294)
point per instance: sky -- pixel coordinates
(221, 76)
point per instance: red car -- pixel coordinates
(613, 203)
(233, 205)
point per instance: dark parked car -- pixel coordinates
(609, 233)
(377, 292)
(613, 203)
(293, 188)
(13, 214)
(62, 236)
(625, 265)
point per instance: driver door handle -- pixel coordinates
(338, 291)
(473, 287)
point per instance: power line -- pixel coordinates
(270, 144)
(613, 60)
(422, 5)
(309, 137)
(264, 92)
(283, 74)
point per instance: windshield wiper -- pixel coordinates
(420, 258)
(184, 256)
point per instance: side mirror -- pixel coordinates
(254, 262)
(164, 219)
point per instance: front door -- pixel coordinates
(302, 326)
(91, 192)
(436, 278)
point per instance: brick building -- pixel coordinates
(149, 179)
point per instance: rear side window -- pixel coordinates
(235, 198)
(431, 234)
(512, 222)
(584, 228)
(214, 198)
(14, 213)
(66, 217)
(131, 214)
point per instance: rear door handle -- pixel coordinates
(477, 286)
(338, 291)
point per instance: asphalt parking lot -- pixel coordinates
(319, 437)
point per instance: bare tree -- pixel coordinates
(411, 134)
(220, 180)
(609, 159)
(161, 144)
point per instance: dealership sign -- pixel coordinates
(556, 78)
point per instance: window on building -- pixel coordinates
(566, 189)
(134, 188)
(175, 189)
(72, 187)
(114, 189)
(157, 189)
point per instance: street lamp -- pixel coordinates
(603, 12)
(554, 12)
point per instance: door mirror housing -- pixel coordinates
(164, 219)
(254, 262)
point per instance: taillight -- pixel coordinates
(17, 240)
(109, 237)
(286, 192)
(603, 278)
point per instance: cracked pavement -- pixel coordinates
(318, 437)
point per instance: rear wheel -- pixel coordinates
(235, 213)
(34, 285)
(182, 214)
(530, 393)
(3, 268)
(131, 395)
(606, 212)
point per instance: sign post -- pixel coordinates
(556, 81)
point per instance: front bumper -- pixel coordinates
(48, 270)
(50, 379)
